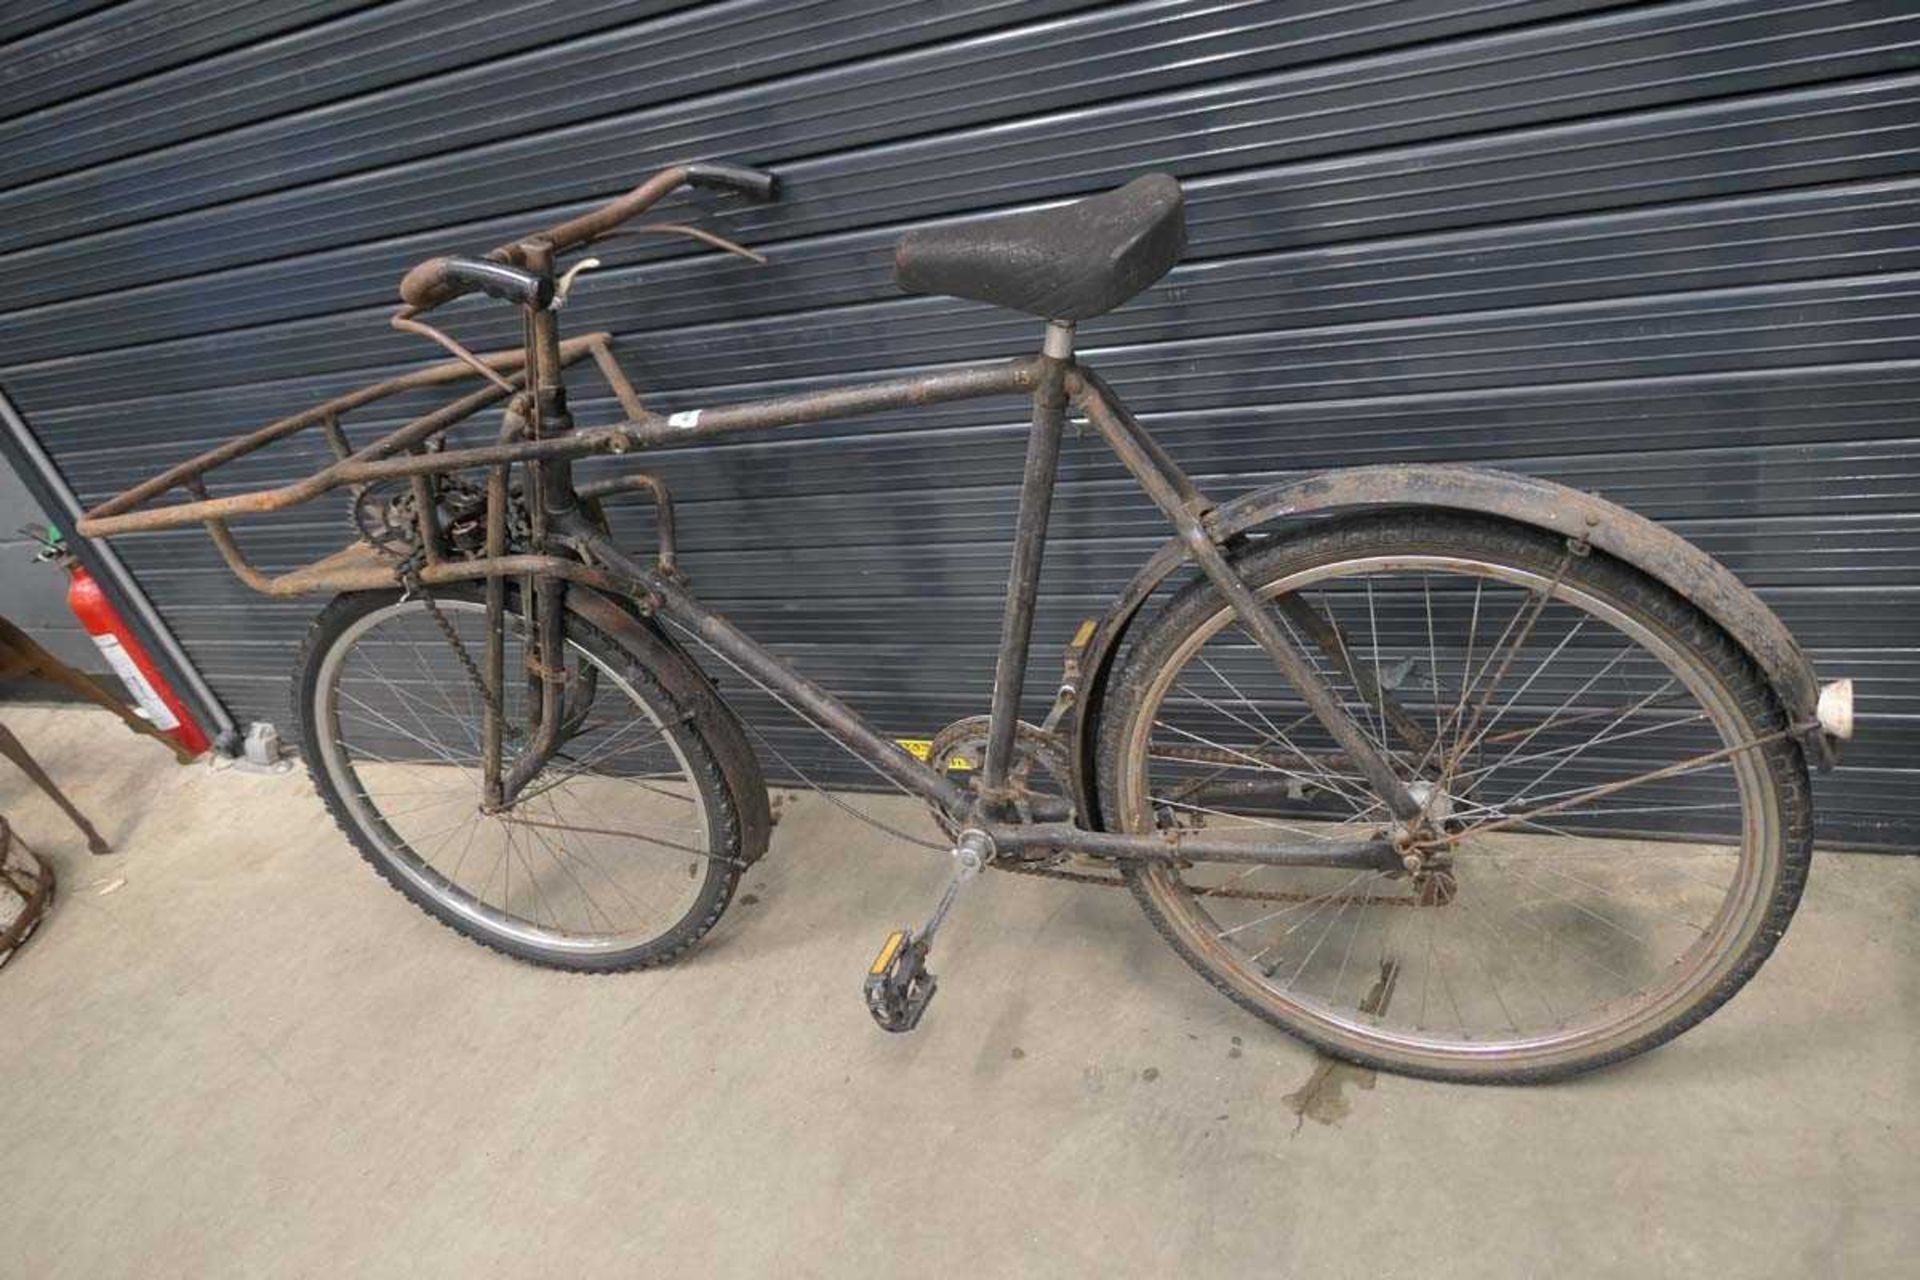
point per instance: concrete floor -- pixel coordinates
(253, 1059)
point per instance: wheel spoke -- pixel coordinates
(547, 871)
(1252, 762)
(1557, 720)
(1582, 747)
(1709, 760)
(1277, 733)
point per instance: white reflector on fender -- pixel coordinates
(1835, 709)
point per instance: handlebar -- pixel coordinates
(444, 278)
(439, 280)
(755, 184)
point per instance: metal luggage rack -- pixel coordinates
(414, 452)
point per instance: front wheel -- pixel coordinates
(620, 854)
(1623, 828)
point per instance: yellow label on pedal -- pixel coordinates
(1084, 634)
(888, 951)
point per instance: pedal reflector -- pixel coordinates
(888, 950)
(898, 986)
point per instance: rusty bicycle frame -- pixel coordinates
(570, 541)
(1052, 382)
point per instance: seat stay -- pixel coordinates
(1187, 509)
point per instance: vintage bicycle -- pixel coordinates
(1450, 771)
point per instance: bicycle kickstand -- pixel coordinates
(898, 986)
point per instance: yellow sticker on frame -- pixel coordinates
(921, 748)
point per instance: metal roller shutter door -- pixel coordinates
(1665, 251)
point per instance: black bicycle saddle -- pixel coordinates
(1059, 264)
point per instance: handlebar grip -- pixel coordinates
(439, 280)
(754, 184)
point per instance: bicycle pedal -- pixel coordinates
(898, 986)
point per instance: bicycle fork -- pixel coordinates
(539, 413)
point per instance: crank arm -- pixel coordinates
(899, 987)
(1178, 847)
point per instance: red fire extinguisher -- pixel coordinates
(125, 654)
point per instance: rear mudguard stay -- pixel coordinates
(1542, 504)
(711, 716)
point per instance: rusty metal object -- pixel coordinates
(15, 750)
(1186, 513)
(1016, 377)
(1330, 640)
(30, 879)
(569, 561)
(1431, 893)
(407, 324)
(424, 286)
(616, 378)
(737, 647)
(1192, 753)
(1178, 847)
(1023, 575)
(1036, 780)
(128, 512)
(705, 237)
(361, 568)
(665, 554)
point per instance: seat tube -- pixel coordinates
(1029, 546)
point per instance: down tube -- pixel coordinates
(833, 716)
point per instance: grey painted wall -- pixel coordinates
(34, 595)
(1666, 250)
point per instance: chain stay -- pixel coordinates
(1048, 871)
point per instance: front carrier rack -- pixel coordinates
(408, 454)
(522, 271)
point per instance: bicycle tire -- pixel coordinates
(714, 875)
(1776, 784)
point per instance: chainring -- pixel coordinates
(383, 514)
(1039, 763)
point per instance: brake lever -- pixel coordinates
(404, 321)
(694, 233)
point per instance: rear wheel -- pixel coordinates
(620, 854)
(1624, 826)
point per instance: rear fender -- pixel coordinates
(711, 716)
(1541, 504)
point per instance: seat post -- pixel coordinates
(1058, 344)
(1029, 545)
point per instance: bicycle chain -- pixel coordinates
(408, 573)
(1051, 872)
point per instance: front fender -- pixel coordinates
(712, 717)
(1659, 553)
